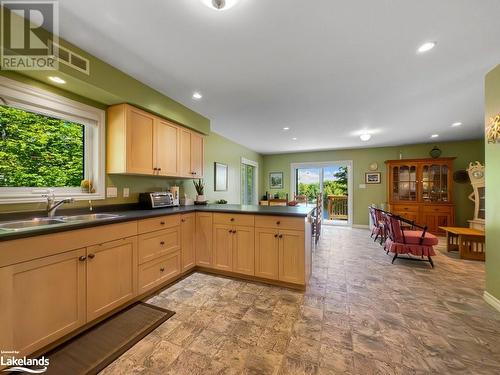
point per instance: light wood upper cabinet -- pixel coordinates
(223, 247)
(291, 256)
(188, 238)
(266, 253)
(111, 275)
(197, 152)
(41, 300)
(244, 250)
(141, 143)
(203, 244)
(167, 148)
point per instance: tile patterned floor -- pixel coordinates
(360, 315)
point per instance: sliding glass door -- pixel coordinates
(333, 180)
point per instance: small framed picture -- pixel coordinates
(276, 180)
(220, 177)
(373, 178)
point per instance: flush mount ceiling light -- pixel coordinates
(197, 95)
(286, 128)
(455, 124)
(365, 137)
(294, 138)
(427, 46)
(57, 79)
(220, 4)
(434, 135)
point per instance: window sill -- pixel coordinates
(6, 199)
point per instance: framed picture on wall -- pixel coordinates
(276, 180)
(220, 176)
(373, 178)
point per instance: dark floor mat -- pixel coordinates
(96, 348)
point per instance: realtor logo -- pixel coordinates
(29, 31)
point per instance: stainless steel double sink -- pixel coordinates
(21, 225)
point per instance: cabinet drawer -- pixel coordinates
(158, 223)
(234, 219)
(404, 208)
(158, 271)
(280, 222)
(438, 209)
(159, 243)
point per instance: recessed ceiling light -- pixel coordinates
(197, 95)
(365, 137)
(455, 124)
(286, 128)
(427, 46)
(57, 79)
(220, 4)
(434, 135)
(294, 138)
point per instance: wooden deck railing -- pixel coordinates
(338, 207)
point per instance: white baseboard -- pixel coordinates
(360, 226)
(492, 300)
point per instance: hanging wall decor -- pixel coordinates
(493, 130)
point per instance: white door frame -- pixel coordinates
(323, 164)
(256, 177)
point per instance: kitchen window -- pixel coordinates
(48, 142)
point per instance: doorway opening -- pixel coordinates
(249, 182)
(334, 180)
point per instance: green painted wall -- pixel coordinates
(492, 107)
(465, 152)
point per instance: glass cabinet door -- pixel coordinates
(435, 183)
(404, 183)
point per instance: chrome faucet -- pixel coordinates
(52, 205)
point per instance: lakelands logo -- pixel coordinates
(28, 365)
(29, 31)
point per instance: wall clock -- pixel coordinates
(373, 166)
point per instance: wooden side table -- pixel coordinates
(470, 243)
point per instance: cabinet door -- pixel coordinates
(223, 247)
(111, 275)
(244, 250)
(266, 253)
(435, 219)
(188, 233)
(404, 182)
(291, 256)
(185, 154)
(436, 182)
(41, 300)
(167, 148)
(197, 150)
(203, 244)
(140, 142)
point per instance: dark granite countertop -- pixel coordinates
(133, 212)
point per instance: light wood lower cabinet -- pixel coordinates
(279, 255)
(244, 250)
(111, 276)
(159, 271)
(291, 256)
(203, 244)
(188, 238)
(222, 247)
(41, 300)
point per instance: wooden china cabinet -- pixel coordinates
(421, 190)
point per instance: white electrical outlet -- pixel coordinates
(111, 192)
(126, 192)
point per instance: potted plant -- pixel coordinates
(200, 188)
